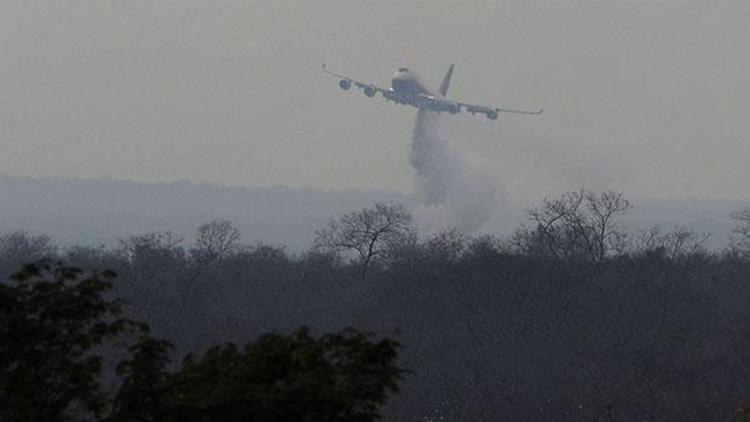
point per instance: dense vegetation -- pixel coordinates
(55, 321)
(570, 318)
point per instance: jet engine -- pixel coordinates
(345, 84)
(370, 91)
(492, 114)
(454, 108)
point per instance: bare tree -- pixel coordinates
(742, 230)
(447, 245)
(675, 245)
(579, 224)
(217, 239)
(369, 232)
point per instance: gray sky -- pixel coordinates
(648, 97)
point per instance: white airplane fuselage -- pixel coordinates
(408, 88)
(408, 84)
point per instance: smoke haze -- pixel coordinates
(453, 194)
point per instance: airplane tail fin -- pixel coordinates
(446, 81)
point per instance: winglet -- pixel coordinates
(446, 81)
(325, 69)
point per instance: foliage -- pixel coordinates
(145, 382)
(546, 325)
(52, 318)
(339, 377)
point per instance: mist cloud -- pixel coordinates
(452, 193)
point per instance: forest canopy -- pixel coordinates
(571, 317)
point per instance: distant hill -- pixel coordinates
(101, 211)
(93, 212)
(710, 216)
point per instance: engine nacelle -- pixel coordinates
(370, 91)
(345, 84)
(492, 114)
(454, 108)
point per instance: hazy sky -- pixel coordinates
(649, 97)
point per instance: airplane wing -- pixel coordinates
(492, 112)
(369, 89)
(444, 104)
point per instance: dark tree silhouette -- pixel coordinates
(216, 240)
(571, 322)
(144, 391)
(370, 232)
(56, 319)
(338, 377)
(52, 318)
(579, 225)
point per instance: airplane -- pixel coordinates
(407, 88)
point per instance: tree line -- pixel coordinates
(571, 317)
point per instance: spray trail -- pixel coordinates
(453, 195)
